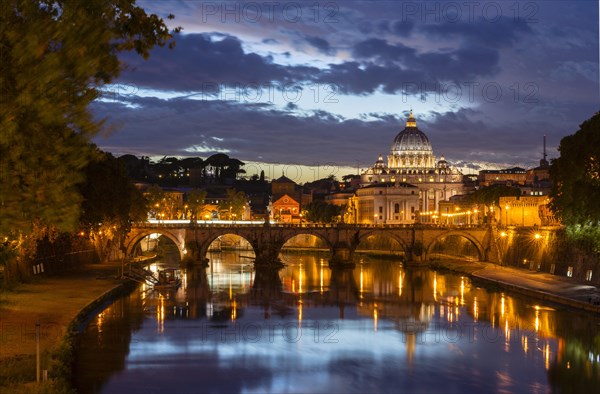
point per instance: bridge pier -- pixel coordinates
(341, 256)
(267, 256)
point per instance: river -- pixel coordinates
(380, 327)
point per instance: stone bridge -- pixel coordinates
(267, 240)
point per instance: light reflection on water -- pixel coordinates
(309, 328)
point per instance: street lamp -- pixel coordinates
(506, 214)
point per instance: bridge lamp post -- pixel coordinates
(506, 214)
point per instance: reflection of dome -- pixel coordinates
(411, 140)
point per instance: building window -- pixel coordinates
(381, 192)
(412, 209)
(570, 272)
(396, 208)
(396, 217)
(588, 275)
(380, 209)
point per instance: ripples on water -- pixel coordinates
(379, 327)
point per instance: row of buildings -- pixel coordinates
(412, 186)
(409, 186)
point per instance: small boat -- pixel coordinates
(168, 279)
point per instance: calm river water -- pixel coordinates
(379, 327)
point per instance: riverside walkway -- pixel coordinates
(53, 301)
(553, 288)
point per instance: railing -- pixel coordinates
(257, 224)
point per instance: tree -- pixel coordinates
(195, 203)
(319, 211)
(54, 57)
(155, 196)
(576, 176)
(576, 184)
(232, 207)
(490, 195)
(110, 203)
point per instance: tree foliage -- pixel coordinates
(195, 203)
(491, 194)
(54, 57)
(319, 211)
(109, 196)
(576, 176)
(232, 207)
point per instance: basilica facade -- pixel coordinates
(411, 162)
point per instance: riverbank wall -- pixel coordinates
(547, 250)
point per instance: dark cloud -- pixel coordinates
(200, 60)
(381, 50)
(246, 131)
(553, 61)
(494, 33)
(203, 63)
(261, 132)
(461, 64)
(401, 28)
(321, 44)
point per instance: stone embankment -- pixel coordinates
(543, 286)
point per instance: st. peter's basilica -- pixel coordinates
(410, 184)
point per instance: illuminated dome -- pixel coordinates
(411, 139)
(411, 148)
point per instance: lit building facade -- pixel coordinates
(411, 161)
(525, 211)
(286, 210)
(385, 203)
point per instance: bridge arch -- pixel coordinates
(179, 241)
(474, 241)
(288, 236)
(390, 234)
(227, 231)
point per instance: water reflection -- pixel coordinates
(306, 327)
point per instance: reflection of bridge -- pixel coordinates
(416, 241)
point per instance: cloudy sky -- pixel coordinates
(329, 84)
